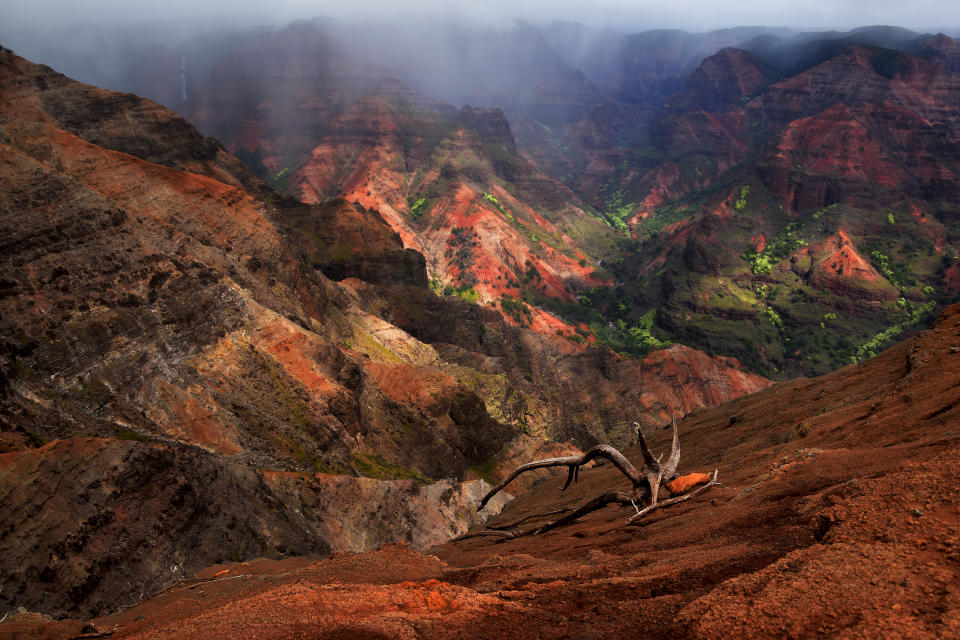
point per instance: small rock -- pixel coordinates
(917, 513)
(681, 484)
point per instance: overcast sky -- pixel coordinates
(632, 15)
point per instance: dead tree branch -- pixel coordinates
(681, 498)
(645, 485)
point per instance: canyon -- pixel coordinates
(264, 349)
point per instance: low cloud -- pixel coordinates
(622, 14)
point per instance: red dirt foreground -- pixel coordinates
(839, 517)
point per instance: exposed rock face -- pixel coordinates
(835, 266)
(491, 245)
(490, 125)
(865, 117)
(721, 81)
(351, 514)
(94, 524)
(428, 169)
(840, 126)
(943, 50)
(663, 385)
(126, 123)
(685, 377)
(195, 284)
(494, 245)
(345, 240)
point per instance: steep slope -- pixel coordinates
(193, 282)
(467, 207)
(156, 318)
(837, 518)
(450, 182)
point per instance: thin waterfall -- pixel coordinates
(183, 79)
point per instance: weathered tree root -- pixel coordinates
(535, 516)
(646, 487)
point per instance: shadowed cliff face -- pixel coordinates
(196, 368)
(97, 524)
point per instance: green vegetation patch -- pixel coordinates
(517, 309)
(630, 339)
(741, 202)
(663, 218)
(616, 211)
(417, 206)
(898, 273)
(130, 434)
(281, 180)
(879, 342)
(374, 465)
(822, 212)
(785, 243)
(492, 199)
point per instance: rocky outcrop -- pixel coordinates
(127, 123)
(722, 81)
(943, 50)
(835, 266)
(96, 524)
(457, 191)
(346, 240)
(353, 515)
(489, 124)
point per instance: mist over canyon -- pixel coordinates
(283, 296)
